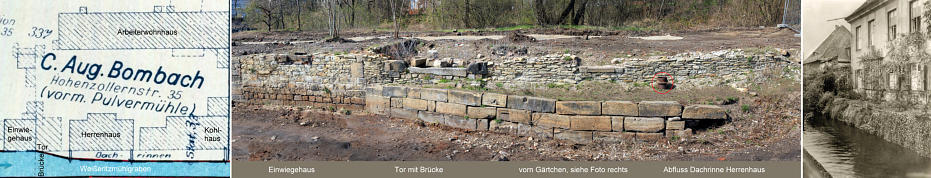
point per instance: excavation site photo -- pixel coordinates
(516, 80)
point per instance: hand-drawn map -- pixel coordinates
(114, 88)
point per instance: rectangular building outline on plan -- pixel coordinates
(159, 96)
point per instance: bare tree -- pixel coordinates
(280, 20)
(261, 12)
(299, 5)
(579, 14)
(351, 7)
(333, 14)
(394, 16)
(539, 9)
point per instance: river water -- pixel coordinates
(32, 164)
(846, 151)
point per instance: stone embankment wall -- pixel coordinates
(302, 79)
(684, 68)
(345, 75)
(371, 81)
(908, 129)
(688, 69)
(578, 121)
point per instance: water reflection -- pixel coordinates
(849, 152)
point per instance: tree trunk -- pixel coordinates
(540, 11)
(352, 13)
(579, 14)
(269, 18)
(329, 18)
(565, 12)
(280, 14)
(299, 7)
(467, 16)
(661, 6)
(394, 17)
(333, 19)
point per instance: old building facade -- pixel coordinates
(877, 27)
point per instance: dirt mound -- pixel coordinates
(339, 40)
(517, 38)
(781, 33)
(399, 49)
(574, 32)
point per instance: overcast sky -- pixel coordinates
(817, 21)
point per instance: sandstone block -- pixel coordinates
(660, 108)
(514, 115)
(418, 104)
(377, 104)
(704, 112)
(431, 117)
(461, 122)
(613, 137)
(535, 131)
(433, 94)
(582, 137)
(675, 125)
(403, 113)
(464, 97)
(532, 103)
(494, 99)
(481, 112)
(451, 108)
(356, 70)
(413, 93)
(644, 124)
(551, 120)
(396, 102)
(620, 108)
(376, 90)
(599, 123)
(578, 107)
(394, 91)
(617, 123)
(418, 62)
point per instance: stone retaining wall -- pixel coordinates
(578, 121)
(340, 73)
(306, 79)
(300, 97)
(357, 79)
(686, 67)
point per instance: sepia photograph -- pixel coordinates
(866, 88)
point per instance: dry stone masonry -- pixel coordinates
(352, 72)
(577, 121)
(377, 82)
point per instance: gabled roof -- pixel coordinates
(864, 9)
(834, 46)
